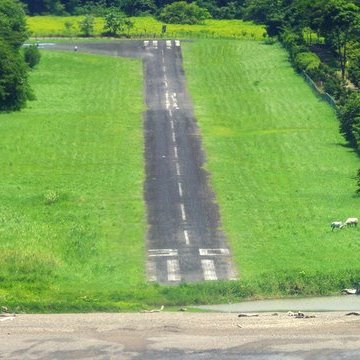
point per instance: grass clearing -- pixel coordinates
(281, 170)
(148, 27)
(71, 194)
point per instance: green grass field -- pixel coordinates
(280, 169)
(71, 194)
(148, 27)
(72, 219)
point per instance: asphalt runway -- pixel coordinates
(184, 240)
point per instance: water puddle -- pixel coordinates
(331, 303)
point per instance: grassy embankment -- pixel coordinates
(71, 208)
(148, 27)
(281, 170)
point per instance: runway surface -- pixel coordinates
(184, 240)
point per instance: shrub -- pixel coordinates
(87, 25)
(14, 87)
(354, 69)
(306, 61)
(350, 119)
(181, 12)
(32, 56)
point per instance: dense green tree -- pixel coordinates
(14, 88)
(12, 23)
(181, 12)
(340, 24)
(350, 119)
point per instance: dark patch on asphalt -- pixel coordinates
(184, 240)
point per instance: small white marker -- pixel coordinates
(183, 214)
(186, 235)
(177, 169)
(176, 152)
(180, 189)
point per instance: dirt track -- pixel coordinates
(184, 241)
(180, 336)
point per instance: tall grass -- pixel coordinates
(148, 27)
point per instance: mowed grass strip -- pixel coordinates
(148, 27)
(71, 194)
(280, 169)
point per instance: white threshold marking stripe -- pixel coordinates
(186, 235)
(213, 252)
(208, 267)
(146, 43)
(183, 214)
(163, 252)
(177, 42)
(175, 152)
(173, 269)
(177, 169)
(180, 189)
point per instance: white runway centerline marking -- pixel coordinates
(170, 113)
(173, 137)
(175, 152)
(164, 68)
(180, 189)
(172, 124)
(183, 214)
(162, 252)
(186, 235)
(177, 169)
(208, 267)
(173, 269)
